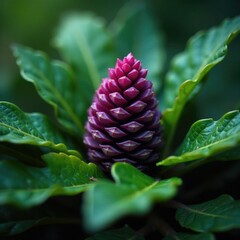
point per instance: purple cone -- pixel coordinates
(123, 121)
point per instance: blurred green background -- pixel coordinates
(32, 23)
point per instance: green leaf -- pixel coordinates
(125, 233)
(12, 227)
(26, 186)
(35, 129)
(188, 236)
(55, 84)
(28, 154)
(84, 42)
(207, 138)
(203, 52)
(133, 193)
(220, 214)
(232, 154)
(14, 221)
(134, 31)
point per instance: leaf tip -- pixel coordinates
(177, 181)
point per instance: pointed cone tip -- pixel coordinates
(130, 55)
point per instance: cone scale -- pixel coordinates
(123, 121)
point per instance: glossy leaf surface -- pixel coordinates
(34, 129)
(207, 138)
(55, 83)
(217, 215)
(25, 186)
(133, 193)
(203, 52)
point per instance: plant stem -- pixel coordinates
(175, 204)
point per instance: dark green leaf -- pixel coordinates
(134, 31)
(84, 42)
(55, 84)
(14, 221)
(220, 214)
(25, 153)
(125, 233)
(207, 138)
(133, 193)
(188, 236)
(203, 52)
(232, 154)
(11, 228)
(26, 186)
(35, 129)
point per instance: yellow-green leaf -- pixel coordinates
(133, 193)
(25, 186)
(207, 138)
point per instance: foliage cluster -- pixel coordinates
(41, 160)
